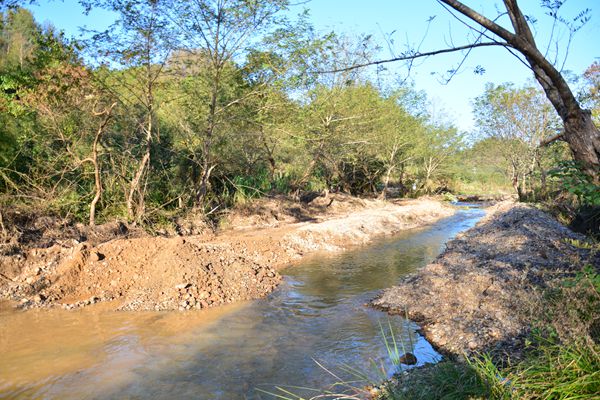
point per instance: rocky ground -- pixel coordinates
(71, 266)
(479, 293)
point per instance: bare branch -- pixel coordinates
(418, 55)
(551, 139)
(481, 20)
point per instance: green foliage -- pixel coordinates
(511, 122)
(574, 181)
(197, 129)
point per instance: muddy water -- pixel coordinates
(228, 353)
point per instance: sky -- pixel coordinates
(404, 22)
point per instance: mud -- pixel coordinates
(481, 292)
(136, 271)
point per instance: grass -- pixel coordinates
(552, 371)
(446, 380)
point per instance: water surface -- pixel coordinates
(317, 315)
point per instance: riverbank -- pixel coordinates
(514, 289)
(136, 271)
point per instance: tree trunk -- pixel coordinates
(583, 137)
(134, 187)
(386, 183)
(270, 156)
(581, 134)
(517, 186)
(96, 164)
(207, 165)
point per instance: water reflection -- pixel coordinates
(318, 313)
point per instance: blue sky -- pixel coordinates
(407, 19)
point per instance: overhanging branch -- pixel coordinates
(417, 55)
(551, 139)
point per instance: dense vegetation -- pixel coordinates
(155, 117)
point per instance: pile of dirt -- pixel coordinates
(479, 293)
(270, 212)
(199, 271)
(32, 241)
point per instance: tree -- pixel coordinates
(397, 130)
(591, 94)
(437, 144)
(139, 43)
(580, 132)
(519, 118)
(218, 33)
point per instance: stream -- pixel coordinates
(314, 325)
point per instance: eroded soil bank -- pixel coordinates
(141, 272)
(480, 293)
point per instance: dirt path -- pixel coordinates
(200, 271)
(479, 293)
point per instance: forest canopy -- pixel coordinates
(183, 106)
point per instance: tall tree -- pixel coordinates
(519, 118)
(219, 33)
(580, 132)
(139, 44)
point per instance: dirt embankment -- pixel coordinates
(480, 292)
(199, 271)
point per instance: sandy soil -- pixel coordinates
(480, 293)
(142, 272)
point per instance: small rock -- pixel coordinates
(182, 286)
(472, 345)
(408, 359)
(30, 280)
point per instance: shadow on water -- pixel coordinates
(318, 313)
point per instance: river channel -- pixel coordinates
(316, 320)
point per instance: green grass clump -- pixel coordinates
(446, 380)
(560, 371)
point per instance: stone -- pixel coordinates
(96, 256)
(408, 359)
